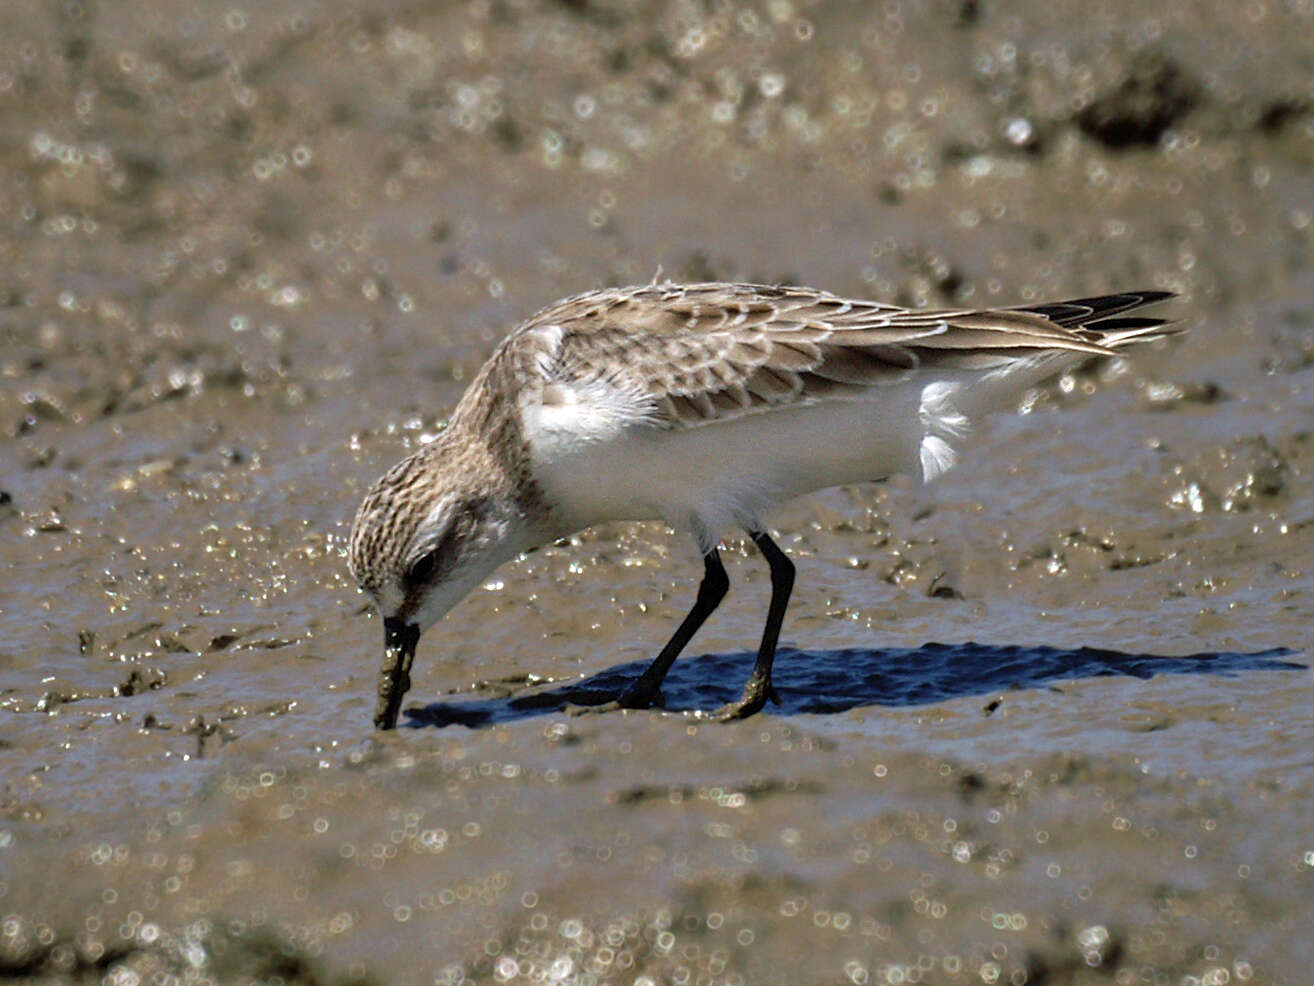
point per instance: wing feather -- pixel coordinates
(708, 352)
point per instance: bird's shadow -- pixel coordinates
(822, 682)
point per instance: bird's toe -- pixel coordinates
(641, 695)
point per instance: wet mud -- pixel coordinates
(1046, 721)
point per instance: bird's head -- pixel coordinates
(431, 529)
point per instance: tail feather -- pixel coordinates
(1081, 312)
(1102, 320)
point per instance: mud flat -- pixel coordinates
(1047, 721)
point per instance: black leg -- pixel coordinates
(646, 691)
(759, 687)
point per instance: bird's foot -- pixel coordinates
(642, 695)
(756, 694)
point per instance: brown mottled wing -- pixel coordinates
(710, 352)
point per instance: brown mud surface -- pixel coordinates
(250, 253)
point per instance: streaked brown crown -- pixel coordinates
(387, 520)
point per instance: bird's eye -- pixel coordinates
(423, 568)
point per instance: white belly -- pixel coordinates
(730, 473)
(726, 474)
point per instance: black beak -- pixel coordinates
(399, 640)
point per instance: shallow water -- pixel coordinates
(250, 257)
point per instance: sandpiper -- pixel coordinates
(702, 405)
